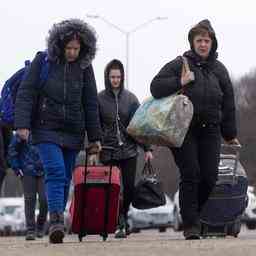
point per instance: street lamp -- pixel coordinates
(127, 34)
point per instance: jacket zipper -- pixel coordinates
(120, 142)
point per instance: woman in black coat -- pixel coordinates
(209, 88)
(60, 111)
(117, 107)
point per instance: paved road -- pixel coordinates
(146, 243)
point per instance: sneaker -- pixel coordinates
(30, 236)
(120, 233)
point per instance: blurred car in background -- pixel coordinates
(159, 217)
(19, 221)
(67, 218)
(8, 207)
(249, 217)
(177, 220)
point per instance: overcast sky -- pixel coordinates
(25, 24)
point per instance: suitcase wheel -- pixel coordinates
(104, 237)
(213, 231)
(80, 238)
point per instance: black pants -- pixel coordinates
(2, 175)
(128, 173)
(197, 160)
(32, 186)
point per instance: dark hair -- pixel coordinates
(115, 66)
(70, 37)
(200, 31)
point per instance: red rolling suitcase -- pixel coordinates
(95, 205)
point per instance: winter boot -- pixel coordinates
(56, 230)
(30, 236)
(192, 232)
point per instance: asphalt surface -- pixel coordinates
(145, 243)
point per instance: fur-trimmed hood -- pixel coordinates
(59, 33)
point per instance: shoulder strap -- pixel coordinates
(185, 68)
(45, 67)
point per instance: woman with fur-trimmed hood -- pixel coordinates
(208, 86)
(66, 107)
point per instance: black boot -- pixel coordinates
(56, 230)
(192, 232)
(40, 227)
(30, 236)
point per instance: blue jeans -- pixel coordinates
(58, 164)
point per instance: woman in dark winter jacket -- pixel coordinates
(25, 161)
(117, 106)
(210, 90)
(66, 107)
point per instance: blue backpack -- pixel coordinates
(11, 86)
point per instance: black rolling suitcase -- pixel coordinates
(221, 215)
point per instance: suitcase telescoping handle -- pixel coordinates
(235, 156)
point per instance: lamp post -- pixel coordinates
(127, 34)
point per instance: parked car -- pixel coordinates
(67, 218)
(159, 217)
(19, 221)
(8, 206)
(249, 217)
(177, 220)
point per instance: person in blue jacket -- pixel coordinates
(67, 110)
(25, 161)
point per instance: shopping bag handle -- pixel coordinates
(148, 168)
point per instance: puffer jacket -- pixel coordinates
(24, 156)
(66, 105)
(116, 111)
(211, 92)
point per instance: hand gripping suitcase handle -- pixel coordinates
(107, 148)
(235, 156)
